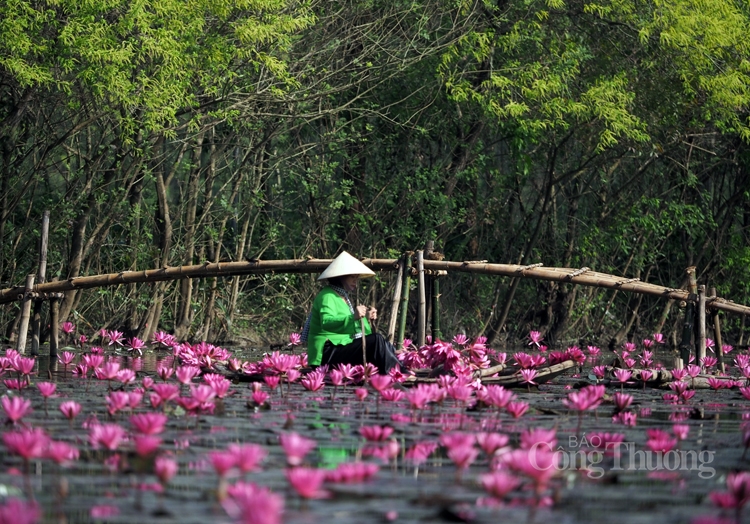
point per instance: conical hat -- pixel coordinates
(345, 264)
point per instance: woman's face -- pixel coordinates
(349, 282)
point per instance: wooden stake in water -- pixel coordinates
(41, 276)
(701, 349)
(364, 341)
(396, 298)
(717, 334)
(23, 329)
(422, 311)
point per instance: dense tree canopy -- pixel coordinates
(610, 134)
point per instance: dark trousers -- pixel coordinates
(380, 353)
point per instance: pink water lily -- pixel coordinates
(535, 338)
(247, 457)
(307, 482)
(517, 409)
(135, 344)
(16, 408)
(26, 443)
(376, 433)
(70, 409)
(165, 468)
(148, 423)
(107, 436)
(499, 483)
(296, 447)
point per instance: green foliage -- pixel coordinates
(609, 134)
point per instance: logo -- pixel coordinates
(595, 457)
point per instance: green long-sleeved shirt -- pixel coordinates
(330, 320)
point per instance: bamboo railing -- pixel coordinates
(582, 276)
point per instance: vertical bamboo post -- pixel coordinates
(404, 299)
(396, 298)
(41, 275)
(687, 326)
(700, 350)
(717, 333)
(54, 326)
(23, 329)
(429, 249)
(422, 310)
(436, 308)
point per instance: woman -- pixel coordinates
(333, 329)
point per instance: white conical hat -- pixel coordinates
(345, 264)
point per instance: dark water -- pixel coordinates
(433, 492)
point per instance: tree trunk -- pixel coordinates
(185, 316)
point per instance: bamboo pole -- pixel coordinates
(687, 327)
(23, 329)
(364, 341)
(404, 300)
(41, 275)
(54, 326)
(396, 298)
(568, 275)
(422, 310)
(717, 334)
(700, 350)
(436, 334)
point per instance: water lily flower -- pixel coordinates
(313, 381)
(186, 374)
(67, 327)
(146, 445)
(296, 447)
(295, 339)
(495, 396)
(16, 408)
(599, 371)
(70, 409)
(148, 423)
(528, 376)
(222, 461)
(681, 431)
(252, 504)
(491, 442)
(19, 511)
(376, 433)
(352, 472)
(420, 452)
(381, 382)
(26, 443)
(167, 392)
(622, 375)
(163, 339)
(260, 397)
(360, 393)
(517, 409)
(499, 483)
(535, 338)
(165, 468)
(135, 344)
(307, 482)
(622, 400)
(247, 457)
(117, 401)
(61, 452)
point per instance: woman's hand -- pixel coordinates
(372, 314)
(360, 312)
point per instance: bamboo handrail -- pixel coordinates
(588, 278)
